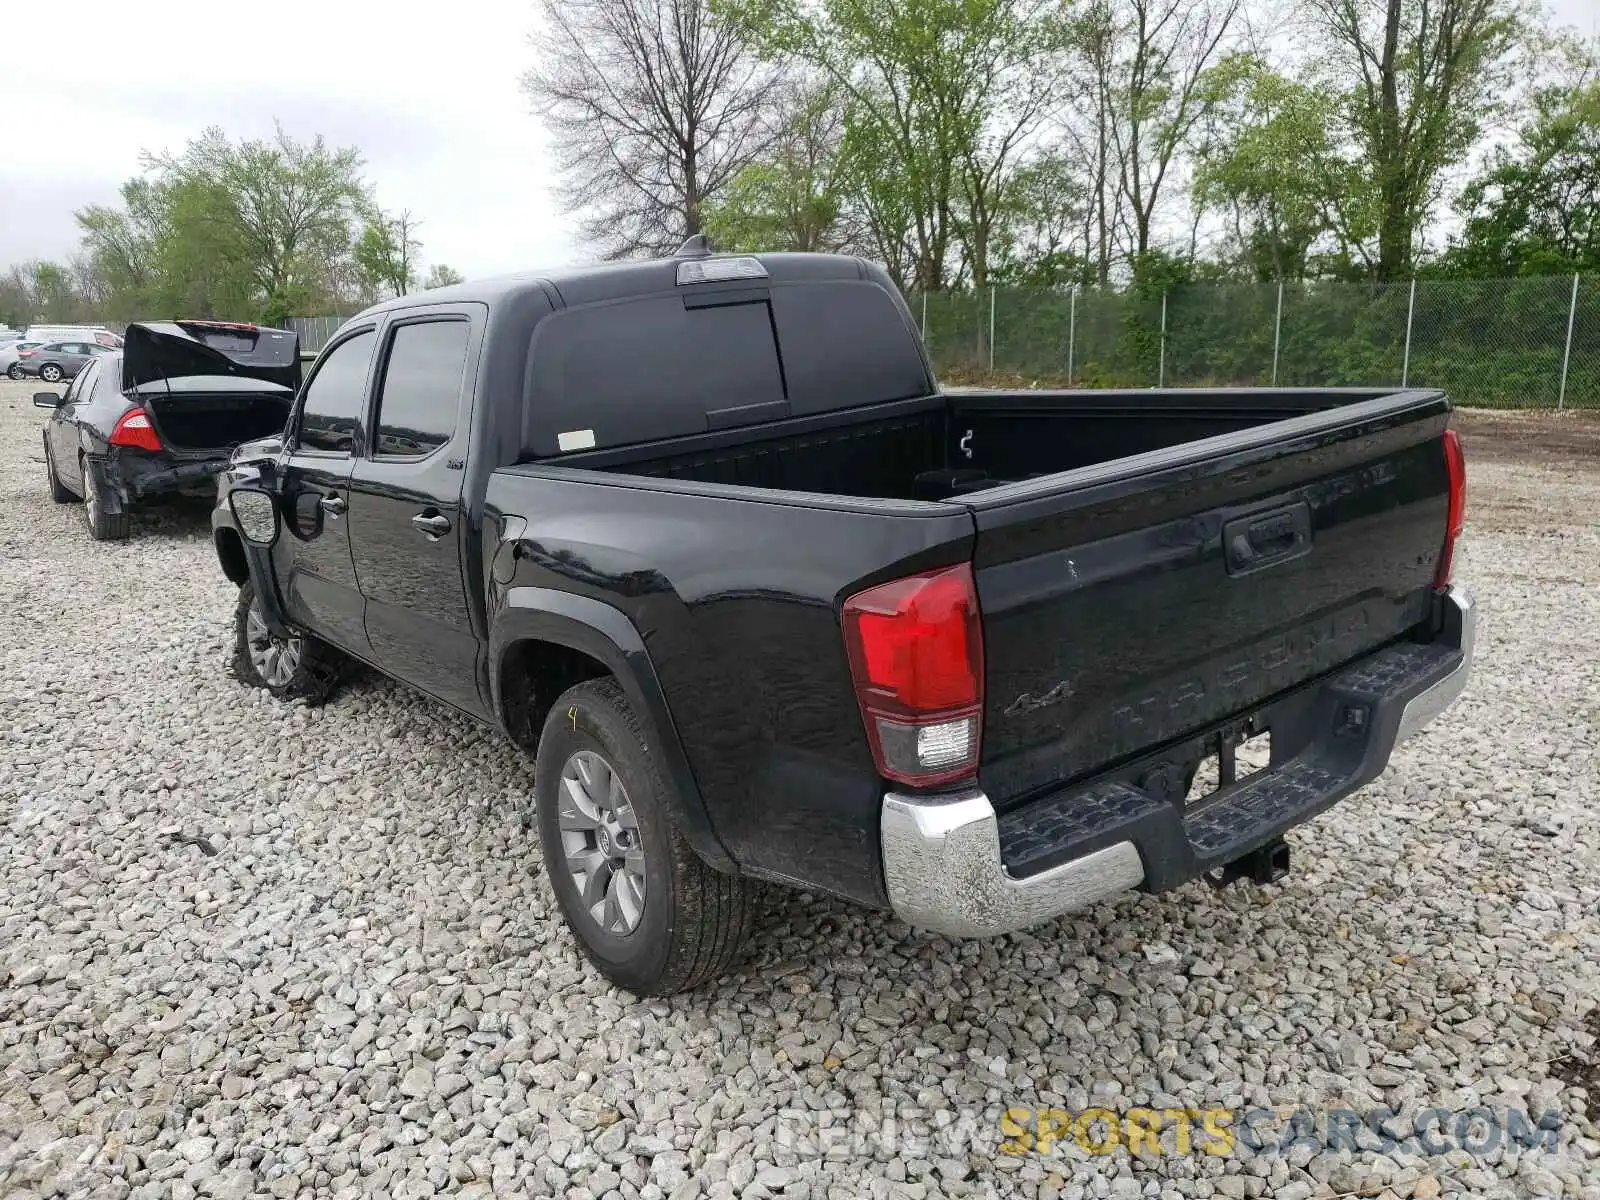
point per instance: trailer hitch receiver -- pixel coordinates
(1265, 865)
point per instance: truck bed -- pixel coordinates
(959, 443)
(1153, 570)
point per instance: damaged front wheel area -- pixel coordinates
(298, 667)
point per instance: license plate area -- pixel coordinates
(1230, 756)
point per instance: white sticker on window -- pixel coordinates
(576, 439)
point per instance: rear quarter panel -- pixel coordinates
(736, 597)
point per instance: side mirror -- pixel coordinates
(47, 400)
(255, 512)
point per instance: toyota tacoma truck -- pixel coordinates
(763, 603)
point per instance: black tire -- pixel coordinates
(317, 666)
(59, 492)
(50, 373)
(14, 371)
(694, 920)
(103, 526)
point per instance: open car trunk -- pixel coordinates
(210, 385)
(207, 415)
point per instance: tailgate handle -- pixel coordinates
(1266, 539)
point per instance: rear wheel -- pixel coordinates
(59, 492)
(103, 526)
(298, 667)
(14, 371)
(50, 373)
(645, 909)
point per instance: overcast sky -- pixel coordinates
(432, 100)
(429, 94)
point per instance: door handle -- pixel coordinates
(334, 506)
(433, 524)
(1252, 543)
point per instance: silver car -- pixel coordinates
(10, 352)
(55, 361)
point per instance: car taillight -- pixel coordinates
(26, 353)
(134, 429)
(1456, 465)
(916, 657)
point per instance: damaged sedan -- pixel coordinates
(163, 414)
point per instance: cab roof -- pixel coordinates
(598, 282)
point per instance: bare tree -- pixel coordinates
(1013, 85)
(1163, 94)
(1091, 84)
(653, 106)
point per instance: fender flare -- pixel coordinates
(258, 561)
(606, 634)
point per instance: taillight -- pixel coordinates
(916, 656)
(134, 429)
(1456, 465)
(26, 353)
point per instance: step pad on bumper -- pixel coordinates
(1344, 726)
(954, 865)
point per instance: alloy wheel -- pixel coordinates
(275, 659)
(600, 840)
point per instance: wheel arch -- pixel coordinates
(112, 495)
(230, 553)
(542, 642)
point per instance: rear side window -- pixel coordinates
(107, 375)
(421, 388)
(81, 384)
(334, 397)
(650, 368)
(845, 344)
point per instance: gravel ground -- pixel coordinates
(248, 948)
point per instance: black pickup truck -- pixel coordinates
(705, 537)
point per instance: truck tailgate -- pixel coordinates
(1137, 602)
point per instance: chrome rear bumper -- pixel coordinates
(943, 858)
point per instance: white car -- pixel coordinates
(73, 333)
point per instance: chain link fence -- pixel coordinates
(314, 331)
(1497, 343)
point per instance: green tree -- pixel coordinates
(1536, 209)
(941, 94)
(790, 199)
(290, 208)
(53, 294)
(122, 243)
(386, 252)
(40, 291)
(248, 230)
(440, 275)
(1037, 244)
(1263, 167)
(880, 196)
(1418, 80)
